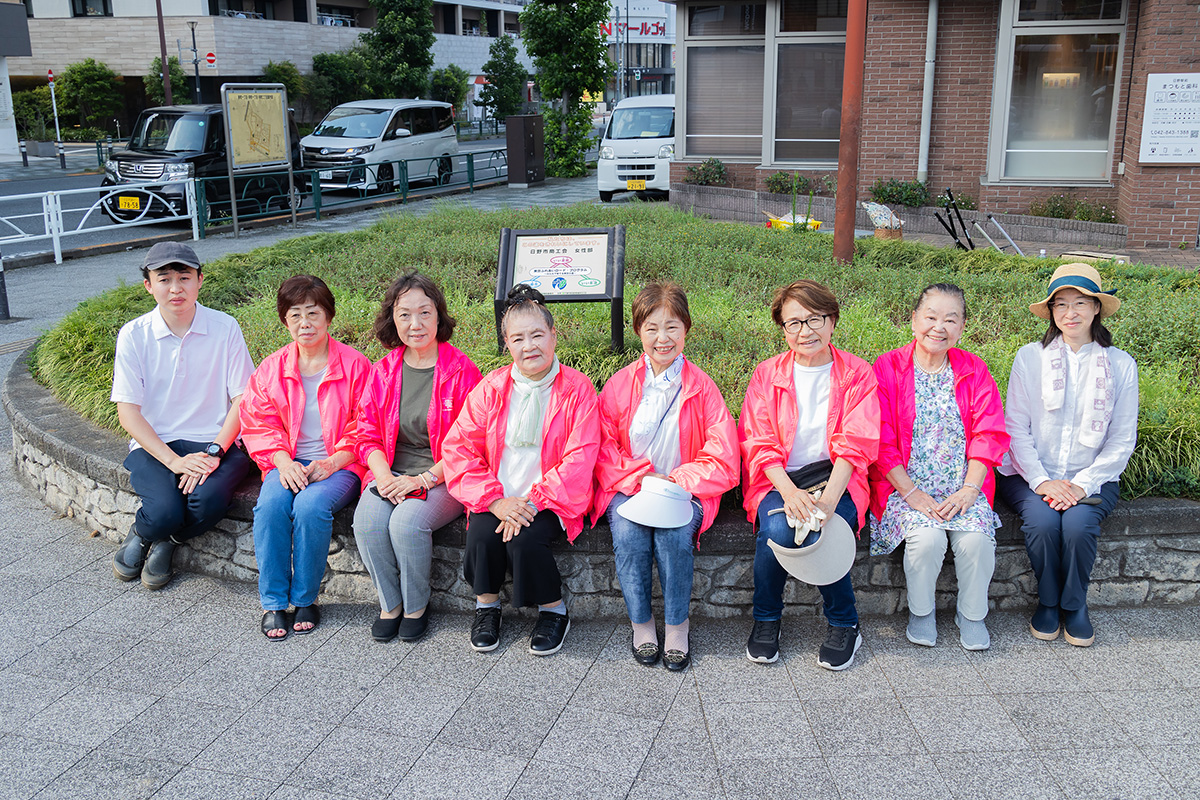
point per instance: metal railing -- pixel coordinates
(480, 127)
(54, 221)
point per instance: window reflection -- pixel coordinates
(808, 107)
(731, 19)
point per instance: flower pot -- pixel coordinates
(889, 233)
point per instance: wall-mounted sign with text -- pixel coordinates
(1171, 122)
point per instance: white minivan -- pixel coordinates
(637, 147)
(358, 144)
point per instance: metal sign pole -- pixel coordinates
(3, 293)
(54, 105)
(229, 164)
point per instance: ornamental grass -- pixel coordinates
(730, 272)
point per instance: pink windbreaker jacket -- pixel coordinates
(708, 441)
(379, 413)
(273, 404)
(768, 425)
(978, 401)
(570, 441)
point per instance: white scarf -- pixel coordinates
(658, 394)
(1097, 389)
(529, 401)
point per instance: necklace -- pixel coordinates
(938, 371)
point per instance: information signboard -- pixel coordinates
(1171, 122)
(256, 119)
(567, 265)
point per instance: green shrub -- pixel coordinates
(709, 172)
(897, 192)
(963, 200)
(730, 272)
(1095, 212)
(1064, 206)
(788, 183)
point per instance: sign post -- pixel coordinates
(54, 105)
(567, 265)
(257, 137)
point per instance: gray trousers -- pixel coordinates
(396, 543)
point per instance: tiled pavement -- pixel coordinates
(108, 691)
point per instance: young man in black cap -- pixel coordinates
(179, 375)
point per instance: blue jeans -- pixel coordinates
(291, 536)
(769, 577)
(638, 547)
(1061, 544)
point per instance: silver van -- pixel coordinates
(358, 144)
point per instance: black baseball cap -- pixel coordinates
(166, 254)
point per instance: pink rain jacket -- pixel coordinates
(379, 413)
(570, 441)
(707, 441)
(978, 402)
(768, 425)
(273, 404)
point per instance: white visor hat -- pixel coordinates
(660, 504)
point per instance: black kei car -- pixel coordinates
(188, 141)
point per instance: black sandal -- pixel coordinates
(275, 621)
(306, 614)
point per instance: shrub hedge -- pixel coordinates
(730, 272)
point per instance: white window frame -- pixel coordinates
(1010, 29)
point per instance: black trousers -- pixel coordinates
(536, 580)
(168, 512)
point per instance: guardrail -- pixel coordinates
(153, 207)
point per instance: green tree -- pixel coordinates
(339, 78)
(570, 58)
(181, 90)
(505, 89)
(400, 46)
(288, 74)
(34, 113)
(449, 85)
(91, 88)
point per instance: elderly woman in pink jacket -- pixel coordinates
(413, 396)
(298, 423)
(662, 418)
(942, 435)
(520, 458)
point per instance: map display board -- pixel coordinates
(567, 265)
(1171, 122)
(256, 125)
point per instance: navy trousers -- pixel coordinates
(168, 512)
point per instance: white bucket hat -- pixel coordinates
(825, 561)
(660, 504)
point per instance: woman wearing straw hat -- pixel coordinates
(1072, 412)
(668, 451)
(943, 432)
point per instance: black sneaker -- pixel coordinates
(548, 633)
(840, 646)
(763, 645)
(485, 630)
(129, 558)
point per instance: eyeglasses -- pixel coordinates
(815, 323)
(1078, 306)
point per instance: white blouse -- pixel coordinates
(657, 418)
(1037, 458)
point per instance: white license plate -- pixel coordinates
(325, 175)
(126, 203)
(635, 186)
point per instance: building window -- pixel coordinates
(813, 15)
(808, 101)
(729, 19)
(91, 8)
(1057, 75)
(724, 101)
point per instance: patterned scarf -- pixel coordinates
(528, 400)
(1097, 389)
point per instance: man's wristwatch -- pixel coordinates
(215, 450)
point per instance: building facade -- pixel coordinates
(1007, 101)
(641, 43)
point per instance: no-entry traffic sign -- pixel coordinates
(50, 75)
(211, 58)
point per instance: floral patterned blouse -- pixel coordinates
(937, 465)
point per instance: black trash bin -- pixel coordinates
(526, 150)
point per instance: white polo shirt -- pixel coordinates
(184, 386)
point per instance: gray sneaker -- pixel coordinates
(972, 634)
(922, 630)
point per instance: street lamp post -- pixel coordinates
(162, 53)
(195, 59)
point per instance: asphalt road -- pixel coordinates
(81, 211)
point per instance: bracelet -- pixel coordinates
(974, 486)
(909, 492)
(424, 482)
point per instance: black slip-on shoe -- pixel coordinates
(130, 556)
(413, 628)
(156, 572)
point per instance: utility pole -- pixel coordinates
(162, 54)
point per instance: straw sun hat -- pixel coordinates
(1083, 278)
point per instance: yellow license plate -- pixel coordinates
(129, 203)
(635, 186)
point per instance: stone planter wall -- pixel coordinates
(1150, 552)
(743, 205)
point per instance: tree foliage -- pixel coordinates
(570, 57)
(181, 91)
(288, 74)
(90, 87)
(505, 89)
(34, 113)
(339, 78)
(449, 85)
(400, 46)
